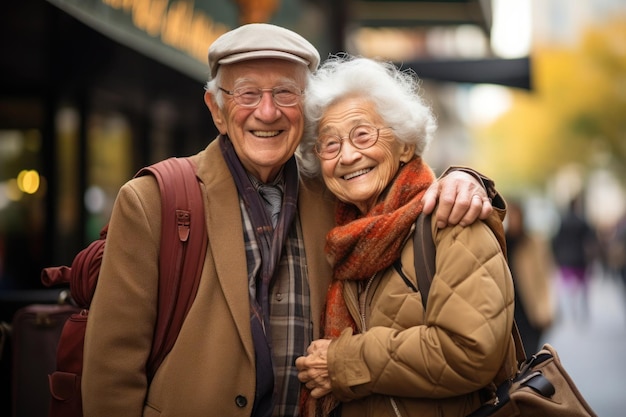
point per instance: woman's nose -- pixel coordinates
(348, 153)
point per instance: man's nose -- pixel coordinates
(267, 109)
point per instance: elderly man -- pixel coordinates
(264, 278)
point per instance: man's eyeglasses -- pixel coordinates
(283, 95)
(361, 137)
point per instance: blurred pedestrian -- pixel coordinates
(533, 269)
(574, 246)
(616, 258)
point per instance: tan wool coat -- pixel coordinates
(405, 362)
(211, 370)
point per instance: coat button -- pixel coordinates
(241, 401)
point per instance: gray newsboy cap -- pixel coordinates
(261, 40)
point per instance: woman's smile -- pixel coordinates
(356, 173)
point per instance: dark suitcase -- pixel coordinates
(36, 332)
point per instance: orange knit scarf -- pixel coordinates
(361, 246)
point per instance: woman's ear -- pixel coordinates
(216, 112)
(407, 153)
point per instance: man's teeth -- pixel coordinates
(356, 173)
(265, 133)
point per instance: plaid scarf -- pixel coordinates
(362, 245)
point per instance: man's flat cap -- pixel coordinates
(261, 40)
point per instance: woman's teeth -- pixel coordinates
(356, 173)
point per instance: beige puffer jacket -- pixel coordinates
(407, 363)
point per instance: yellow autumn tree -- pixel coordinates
(575, 112)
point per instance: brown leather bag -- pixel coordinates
(181, 258)
(541, 387)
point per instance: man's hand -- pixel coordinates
(462, 200)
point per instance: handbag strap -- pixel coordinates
(424, 262)
(424, 255)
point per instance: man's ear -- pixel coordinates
(216, 113)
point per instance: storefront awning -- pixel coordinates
(179, 32)
(507, 72)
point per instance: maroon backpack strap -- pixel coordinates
(183, 248)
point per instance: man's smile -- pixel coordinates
(265, 133)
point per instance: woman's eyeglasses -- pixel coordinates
(361, 137)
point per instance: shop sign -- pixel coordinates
(175, 32)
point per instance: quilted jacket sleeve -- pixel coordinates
(459, 344)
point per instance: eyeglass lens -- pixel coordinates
(251, 96)
(361, 137)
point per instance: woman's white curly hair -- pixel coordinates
(395, 93)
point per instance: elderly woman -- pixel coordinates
(381, 354)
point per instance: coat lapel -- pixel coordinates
(226, 246)
(316, 206)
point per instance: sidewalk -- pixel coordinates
(592, 351)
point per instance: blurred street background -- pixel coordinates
(591, 349)
(532, 93)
